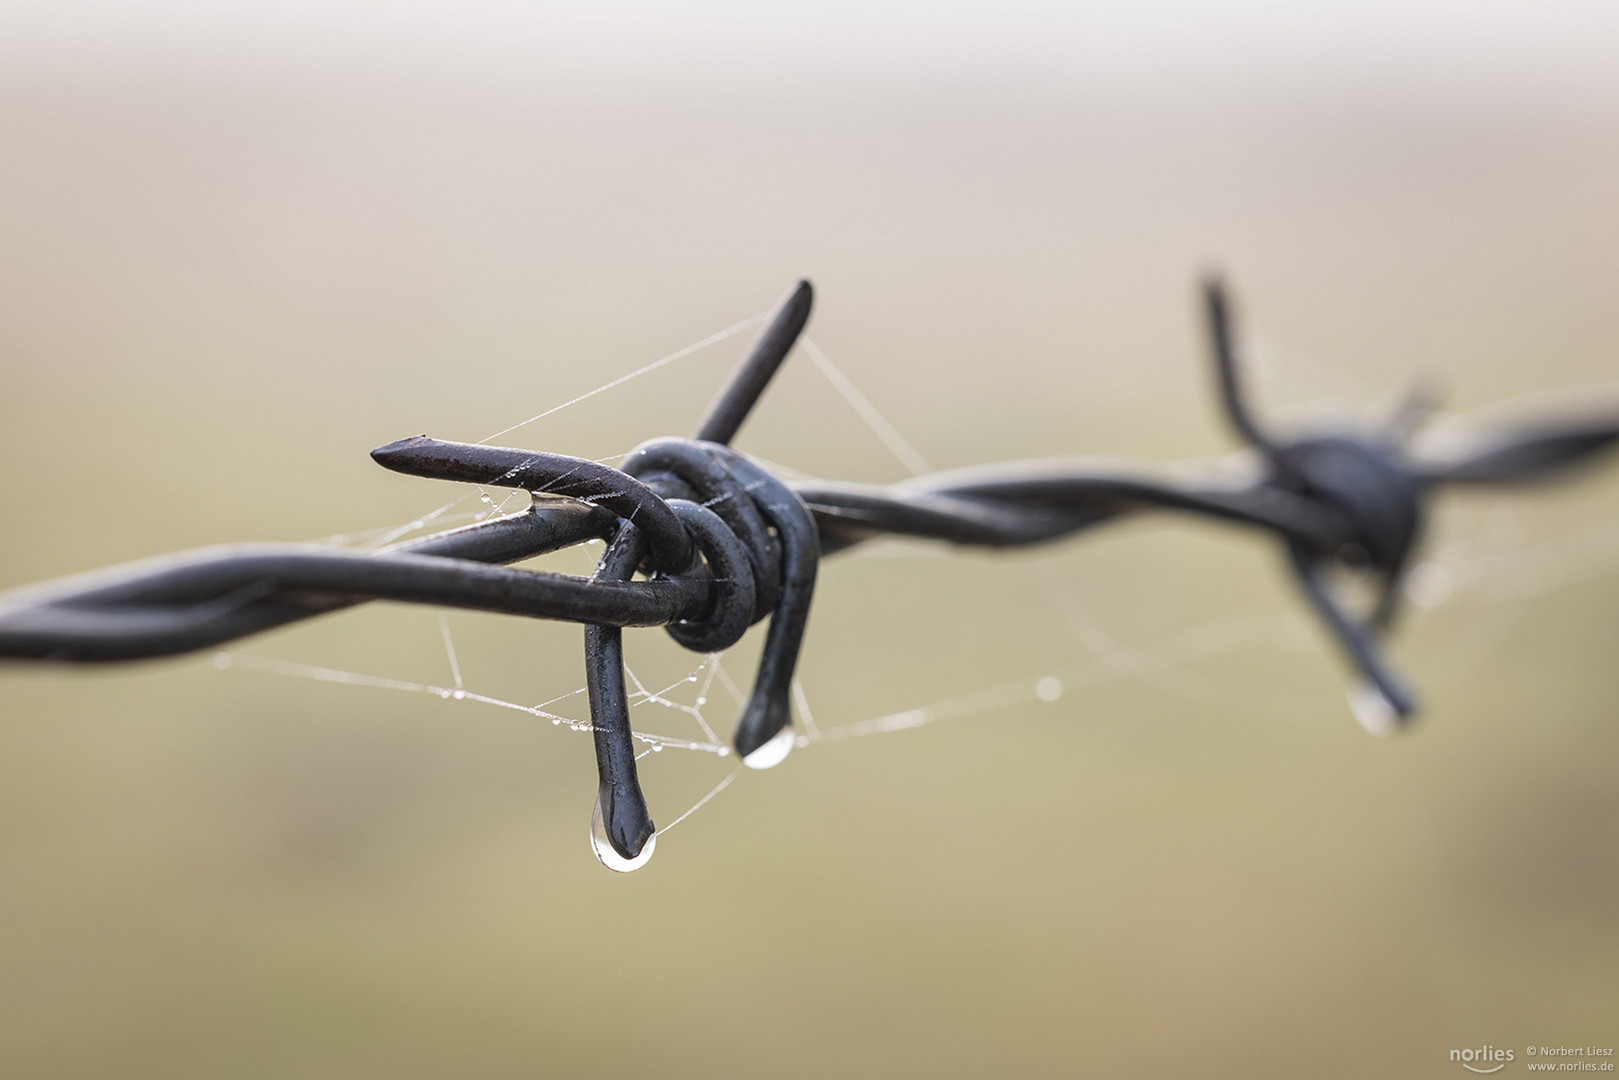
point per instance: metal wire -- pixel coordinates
(720, 544)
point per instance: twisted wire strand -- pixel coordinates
(706, 542)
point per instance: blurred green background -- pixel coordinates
(239, 249)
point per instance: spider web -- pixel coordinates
(1489, 569)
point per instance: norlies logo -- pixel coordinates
(1484, 1059)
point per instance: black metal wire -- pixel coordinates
(720, 544)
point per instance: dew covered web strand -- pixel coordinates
(373, 539)
(1492, 567)
(897, 444)
(1111, 664)
(377, 538)
(1507, 573)
(678, 354)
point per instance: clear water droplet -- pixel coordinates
(725, 751)
(459, 695)
(1375, 712)
(445, 694)
(657, 748)
(555, 720)
(772, 753)
(702, 701)
(607, 854)
(1049, 688)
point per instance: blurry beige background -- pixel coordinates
(239, 250)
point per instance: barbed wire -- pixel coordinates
(720, 544)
